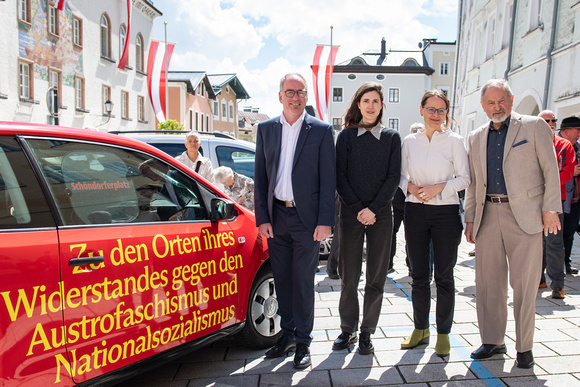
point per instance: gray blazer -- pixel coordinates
(530, 171)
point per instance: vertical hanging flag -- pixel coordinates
(60, 5)
(322, 68)
(125, 56)
(156, 77)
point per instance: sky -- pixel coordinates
(261, 40)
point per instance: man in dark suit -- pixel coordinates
(294, 185)
(514, 195)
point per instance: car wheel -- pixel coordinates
(262, 328)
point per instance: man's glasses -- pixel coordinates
(291, 93)
(431, 110)
(555, 120)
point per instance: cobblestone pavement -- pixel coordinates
(556, 344)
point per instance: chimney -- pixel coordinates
(383, 52)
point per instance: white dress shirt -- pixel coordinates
(441, 160)
(205, 169)
(283, 190)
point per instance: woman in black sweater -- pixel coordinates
(368, 167)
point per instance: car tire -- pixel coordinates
(262, 328)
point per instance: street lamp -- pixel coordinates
(109, 107)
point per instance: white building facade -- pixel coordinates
(76, 50)
(404, 75)
(534, 44)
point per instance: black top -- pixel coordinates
(495, 148)
(368, 170)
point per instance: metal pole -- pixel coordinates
(331, 99)
(166, 78)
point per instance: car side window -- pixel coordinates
(238, 159)
(22, 202)
(100, 184)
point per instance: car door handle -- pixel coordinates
(85, 261)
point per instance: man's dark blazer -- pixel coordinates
(313, 172)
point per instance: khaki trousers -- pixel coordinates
(499, 237)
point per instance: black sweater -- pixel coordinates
(367, 170)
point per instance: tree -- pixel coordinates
(170, 125)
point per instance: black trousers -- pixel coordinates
(352, 234)
(442, 226)
(294, 257)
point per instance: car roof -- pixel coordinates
(179, 138)
(30, 129)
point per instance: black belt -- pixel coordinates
(497, 199)
(285, 204)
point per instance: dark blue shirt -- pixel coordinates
(495, 147)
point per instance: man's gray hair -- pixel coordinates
(291, 75)
(501, 83)
(221, 174)
(416, 127)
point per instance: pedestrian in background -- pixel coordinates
(193, 158)
(368, 164)
(434, 169)
(237, 186)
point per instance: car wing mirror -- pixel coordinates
(221, 209)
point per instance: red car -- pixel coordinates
(115, 256)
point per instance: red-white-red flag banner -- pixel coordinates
(125, 56)
(322, 68)
(156, 77)
(60, 5)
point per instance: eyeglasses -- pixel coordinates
(555, 120)
(431, 110)
(291, 93)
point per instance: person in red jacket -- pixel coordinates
(554, 243)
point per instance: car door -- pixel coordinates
(29, 275)
(143, 268)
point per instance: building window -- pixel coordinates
(535, 9)
(124, 104)
(489, 50)
(105, 36)
(380, 77)
(394, 123)
(410, 62)
(141, 108)
(201, 122)
(196, 121)
(139, 52)
(79, 93)
(352, 77)
(122, 40)
(446, 90)
(231, 112)
(507, 24)
(393, 95)
(475, 56)
(207, 123)
(106, 97)
(337, 94)
(337, 123)
(190, 119)
(52, 14)
(25, 80)
(224, 111)
(444, 68)
(24, 11)
(216, 109)
(55, 81)
(77, 31)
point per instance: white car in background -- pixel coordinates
(221, 149)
